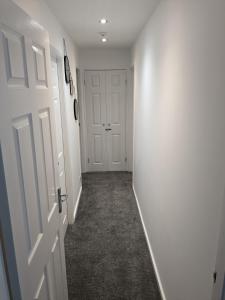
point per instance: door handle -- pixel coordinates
(108, 129)
(61, 198)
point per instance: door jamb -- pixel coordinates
(56, 54)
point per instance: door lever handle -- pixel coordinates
(108, 129)
(61, 198)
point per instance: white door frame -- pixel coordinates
(83, 117)
(56, 54)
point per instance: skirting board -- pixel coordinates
(77, 204)
(150, 249)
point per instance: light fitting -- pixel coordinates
(103, 21)
(104, 39)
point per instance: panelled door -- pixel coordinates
(105, 113)
(28, 146)
(95, 82)
(59, 140)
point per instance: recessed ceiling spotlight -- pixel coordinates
(104, 39)
(103, 21)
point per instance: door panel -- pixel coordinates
(28, 143)
(96, 120)
(48, 163)
(27, 174)
(97, 148)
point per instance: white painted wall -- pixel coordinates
(179, 140)
(106, 59)
(40, 12)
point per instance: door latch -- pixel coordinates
(108, 129)
(61, 198)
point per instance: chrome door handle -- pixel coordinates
(61, 198)
(108, 129)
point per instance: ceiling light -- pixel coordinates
(103, 21)
(104, 39)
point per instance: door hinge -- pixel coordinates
(84, 82)
(125, 159)
(88, 160)
(126, 81)
(214, 277)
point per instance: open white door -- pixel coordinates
(28, 145)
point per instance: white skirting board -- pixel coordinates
(150, 249)
(77, 204)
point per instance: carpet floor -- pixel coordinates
(107, 257)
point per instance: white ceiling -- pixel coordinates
(80, 19)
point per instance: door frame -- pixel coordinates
(83, 117)
(59, 57)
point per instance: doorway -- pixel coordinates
(59, 139)
(105, 98)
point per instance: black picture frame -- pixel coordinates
(67, 69)
(76, 109)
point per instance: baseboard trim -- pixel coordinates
(150, 249)
(77, 204)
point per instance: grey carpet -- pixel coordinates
(106, 252)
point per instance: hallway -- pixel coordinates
(112, 150)
(106, 251)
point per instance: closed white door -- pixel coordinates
(115, 104)
(95, 82)
(105, 112)
(59, 141)
(28, 146)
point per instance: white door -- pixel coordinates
(28, 145)
(59, 141)
(95, 82)
(115, 104)
(105, 112)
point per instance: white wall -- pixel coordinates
(107, 59)
(179, 140)
(40, 12)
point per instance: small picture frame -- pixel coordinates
(71, 85)
(76, 109)
(67, 69)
